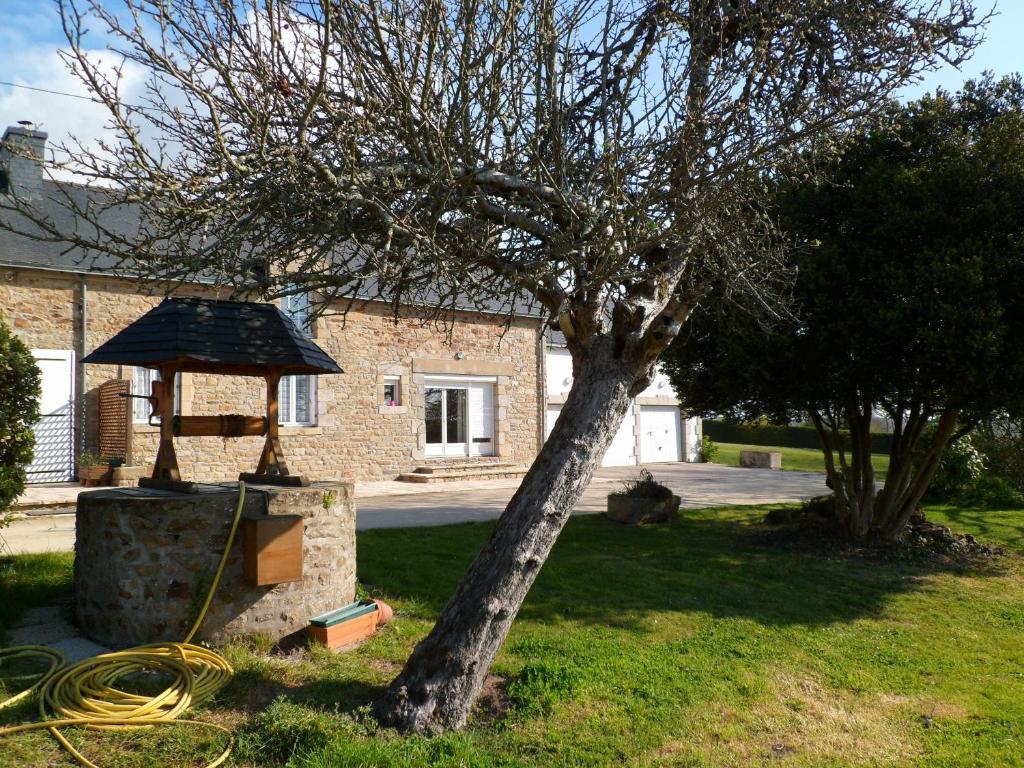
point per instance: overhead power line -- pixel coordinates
(47, 90)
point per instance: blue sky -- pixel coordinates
(30, 34)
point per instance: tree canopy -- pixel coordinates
(910, 268)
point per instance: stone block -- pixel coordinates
(125, 476)
(761, 459)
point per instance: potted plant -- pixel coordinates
(93, 469)
(643, 500)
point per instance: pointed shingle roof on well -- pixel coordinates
(215, 336)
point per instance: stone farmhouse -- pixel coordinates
(413, 402)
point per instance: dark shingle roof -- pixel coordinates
(52, 202)
(215, 336)
(19, 250)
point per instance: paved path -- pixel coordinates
(400, 505)
(48, 625)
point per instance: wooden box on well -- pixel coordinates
(272, 549)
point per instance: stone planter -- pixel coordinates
(640, 511)
(94, 474)
(127, 476)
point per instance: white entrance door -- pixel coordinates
(54, 458)
(459, 417)
(660, 433)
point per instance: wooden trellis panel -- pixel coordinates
(115, 419)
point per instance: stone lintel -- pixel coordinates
(442, 366)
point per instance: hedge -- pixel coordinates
(792, 436)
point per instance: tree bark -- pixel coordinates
(442, 679)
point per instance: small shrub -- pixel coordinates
(540, 685)
(1001, 441)
(991, 492)
(19, 410)
(91, 459)
(708, 450)
(961, 466)
(644, 487)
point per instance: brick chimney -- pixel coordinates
(22, 151)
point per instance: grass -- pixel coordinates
(30, 580)
(689, 645)
(799, 459)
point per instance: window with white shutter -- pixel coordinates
(296, 395)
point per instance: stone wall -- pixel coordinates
(354, 437)
(144, 561)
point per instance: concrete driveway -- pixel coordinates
(398, 505)
(699, 486)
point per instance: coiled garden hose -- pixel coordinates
(84, 695)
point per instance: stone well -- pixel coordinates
(145, 558)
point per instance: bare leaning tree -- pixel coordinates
(598, 158)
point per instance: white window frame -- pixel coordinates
(297, 307)
(142, 384)
(399, 400)
(286, 402)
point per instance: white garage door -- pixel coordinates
(549, 419)
(660, 433)
(53, 460)
(622, 450)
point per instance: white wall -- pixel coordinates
(659, 387)
(559, 375)
(559, 371)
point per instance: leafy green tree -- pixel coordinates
(19, 410)
(907, 302)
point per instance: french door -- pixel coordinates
(447, 417)
(459, 418)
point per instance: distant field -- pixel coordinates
(801, 459)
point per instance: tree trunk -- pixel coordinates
(443, 677)
(861, 512)
(894, 517)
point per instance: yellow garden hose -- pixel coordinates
(84, 694)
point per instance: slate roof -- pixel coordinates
(556, 338)
(17, 250)
(228, 337)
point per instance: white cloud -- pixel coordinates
(64, 118)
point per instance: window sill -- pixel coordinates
(142, 428)
(391, 410)
(299, 429)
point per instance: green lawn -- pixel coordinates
(802, 459)
(690, 645)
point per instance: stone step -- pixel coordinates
(493, 466)
(464, 461)
(510, 472)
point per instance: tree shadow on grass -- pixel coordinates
(253, 690)
(713, 562)
(1001, 527)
